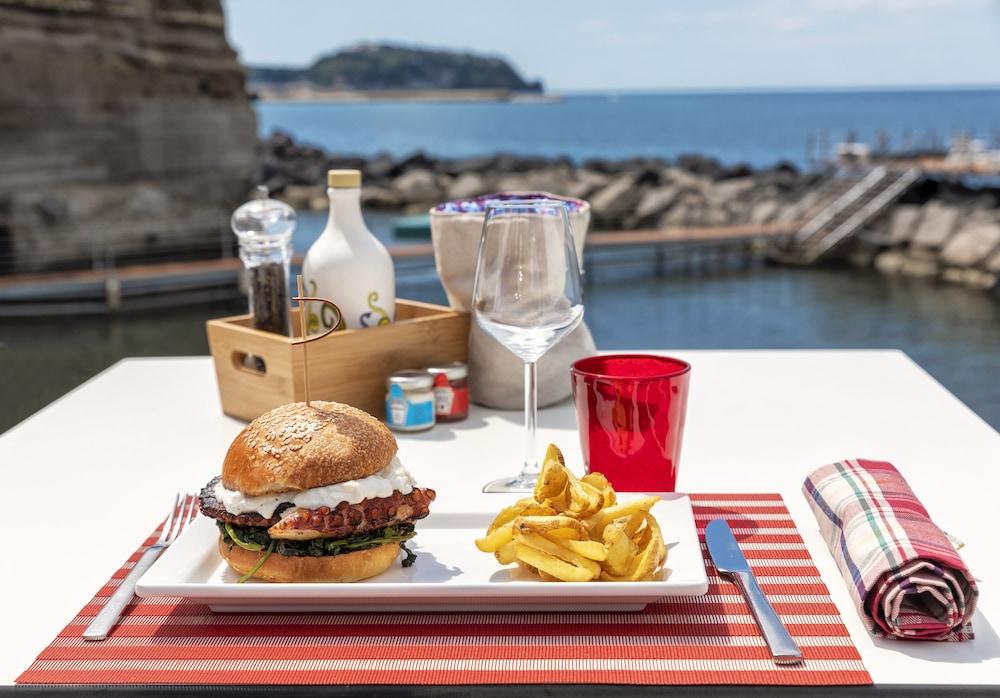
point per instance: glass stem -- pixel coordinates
(531, 468)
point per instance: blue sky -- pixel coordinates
(655, 44)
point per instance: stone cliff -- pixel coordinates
(125, 131)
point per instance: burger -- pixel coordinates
(314, 493)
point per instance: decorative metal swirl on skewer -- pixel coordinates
(304, 339)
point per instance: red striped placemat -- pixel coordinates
(710, 639)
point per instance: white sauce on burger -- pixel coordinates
(392, 478)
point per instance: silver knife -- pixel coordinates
(729, 560)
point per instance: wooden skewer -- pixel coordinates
(304, 339)
(303, 329)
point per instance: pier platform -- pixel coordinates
(149, 286)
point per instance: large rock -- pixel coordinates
(805, 207)
(920, 267)
(301, 196)
(510, 162)
(715, 215)
(727, 191)
(903, 224)
(685, 180)
(416, 161)
(552, 179)
(373, 196)
(125, 130)
(764, 211)
(478, 165)
(972, 244)
(652, 204)
(976, 278)
(418, 186)
(468, 184)
(685, 211)
(586, 183)
(701, 165)
(381, 167)
(890, 262)
(612, 203)
(993, 263)
(936, 225)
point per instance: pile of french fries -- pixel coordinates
(574, 530)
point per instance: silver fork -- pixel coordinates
(180, 514)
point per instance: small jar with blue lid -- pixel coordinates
(409, 401)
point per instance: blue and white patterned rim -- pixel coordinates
(478, 204)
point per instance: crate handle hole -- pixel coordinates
(250, 363)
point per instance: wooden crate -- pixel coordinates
(349, 366)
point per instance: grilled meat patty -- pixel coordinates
(342, 521)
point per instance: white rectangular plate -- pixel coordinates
(450, 574)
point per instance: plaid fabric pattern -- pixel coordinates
(906, 578)
(710, 639)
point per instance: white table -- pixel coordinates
(87, 477)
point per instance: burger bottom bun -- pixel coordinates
(346, 567)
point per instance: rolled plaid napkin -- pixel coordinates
(905, 576)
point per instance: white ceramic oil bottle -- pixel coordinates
(347, 264)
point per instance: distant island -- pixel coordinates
(373, 71)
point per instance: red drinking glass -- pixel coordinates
(630, 409)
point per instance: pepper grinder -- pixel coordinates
(264, 228)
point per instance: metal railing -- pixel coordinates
(816, 224)
(864, 214)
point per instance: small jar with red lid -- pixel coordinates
(451, 391)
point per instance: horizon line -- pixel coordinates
(776, 89)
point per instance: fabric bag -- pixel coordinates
(496, 376)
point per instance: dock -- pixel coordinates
(169, 284)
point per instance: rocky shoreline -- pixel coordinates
(947, 239)
(624, 194)
(940, 229)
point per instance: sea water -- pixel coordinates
(760, 128)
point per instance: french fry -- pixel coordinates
(553, 478)
(506, 553)
(524, 565)
(552, 565)
(536, 509)
(647, 562)
(634, 522)
(598, 521)
(643, 535)
(565, 533)
(508, 514)
(590, 549)
(598, 481)
(553, 453)
(584, 500)
(547, 524)
(575, 530)
(620, 548)
(555, 550)
(496, 538)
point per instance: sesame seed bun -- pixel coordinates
(297, 447)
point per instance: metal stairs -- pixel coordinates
(857, 200)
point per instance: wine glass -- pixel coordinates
(527, 296)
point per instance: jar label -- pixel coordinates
(402, 412)
(443, 400)
(420, 414)
(444, 396)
